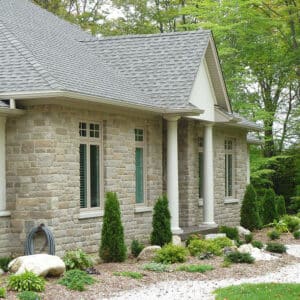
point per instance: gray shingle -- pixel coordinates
(162, 65)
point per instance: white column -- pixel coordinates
(248, 164)
(208, 179)
(2, 169)
(172, 173)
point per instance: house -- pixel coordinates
(138, 115)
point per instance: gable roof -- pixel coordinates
(45, 55)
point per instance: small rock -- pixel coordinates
(213, 236)
(176, 240)
(148, 253)
(228, 250)
(256, 253)
(1, 272)
(242, 231)
(246, 248)
(40, 264)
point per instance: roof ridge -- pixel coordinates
(29, 57)
(147, 35)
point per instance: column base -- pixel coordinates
(176, 231)
(210, 224)
(4, 213)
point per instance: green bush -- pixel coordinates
(297, 235)
(269, 207)
(27, 295)
(231, 232)
(237, 258)
(77, 259)
(195, 268)
(273, 235)
(295, 204)
(292, 222)
(280, 204)
(4, 261)
(112, 248)
(281, 226)
(76, 280)
(134, 275)
(170, 254)
(248, 238)
(250, 218)
(155, 267)
(28, 281)
(136, 248)
(2, 292)
(276, 248)
(197, 247)
(222, 242)
(192, 237)
(161, 223)
(257, 244)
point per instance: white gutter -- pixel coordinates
(91, 98)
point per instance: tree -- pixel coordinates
(112, 248)
(269, 207)
(250, 218)
(161, 225)
(280, 204)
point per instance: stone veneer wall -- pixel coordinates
(43, 174)
(191, 214)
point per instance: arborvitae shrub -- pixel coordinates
(269, 207)
(281, 210)
(276, 248)
(231, 232)
(161, 223)
(136, 248)
(112, 248)
(250, 218)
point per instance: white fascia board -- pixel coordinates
(6, 111)
(74, 95)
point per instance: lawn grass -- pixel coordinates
(262, 291)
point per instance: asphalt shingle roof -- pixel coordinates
(162, 65)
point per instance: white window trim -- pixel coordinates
(231, 199)
(139, 207)
(92, 212)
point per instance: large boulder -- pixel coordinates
(256, 253)
(242, 231)
(148, 253)
(40, 264)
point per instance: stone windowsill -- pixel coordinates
(200, 203)
(142, 209)
(90, 214)
(5, 213)
(231, 200)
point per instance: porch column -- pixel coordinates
(172, 173)
(3, 211)
(208, 179)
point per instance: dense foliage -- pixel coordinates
(112, 248)
(77, 259)
(76, 280)
(269, 211)
(170, 254)
(27, 281)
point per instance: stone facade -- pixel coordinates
(42, 155)
(43, 174)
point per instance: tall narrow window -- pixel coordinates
(229, 167)
(200, 167)
(139, 165)
(89, 154)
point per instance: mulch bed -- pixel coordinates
(108, 284)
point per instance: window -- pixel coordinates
(200, 167)
(139, 165)
(89, 155)
(229, 167)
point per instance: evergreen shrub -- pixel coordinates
(257, 244)
(161, 223)
(276, 248)
(237, 258)
(136, 248)
(28, 295)
(297, 235)
(170, 254)
(4, 261)
(248, 238)
(76, 280)
(269, 207)
(112, 248)
(231, 232)
(273, 235)
(280, 203)
(250, 218)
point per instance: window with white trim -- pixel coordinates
(200, 167)
(229, 167)
(139, 165)
(90, 164)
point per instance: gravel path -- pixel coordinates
(202, 290)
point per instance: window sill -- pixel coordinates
(5, 213)
(200, 203)
(142, 209)
(90, 214)
(231, 200)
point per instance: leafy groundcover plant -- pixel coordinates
(28, 295)
(76, 280)
(28, 281)
(259, 292)
(170, 254)
(276, 248)
(134, 275)
(155, 267)
(237, 257)
(195, 268)
(77, 259)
